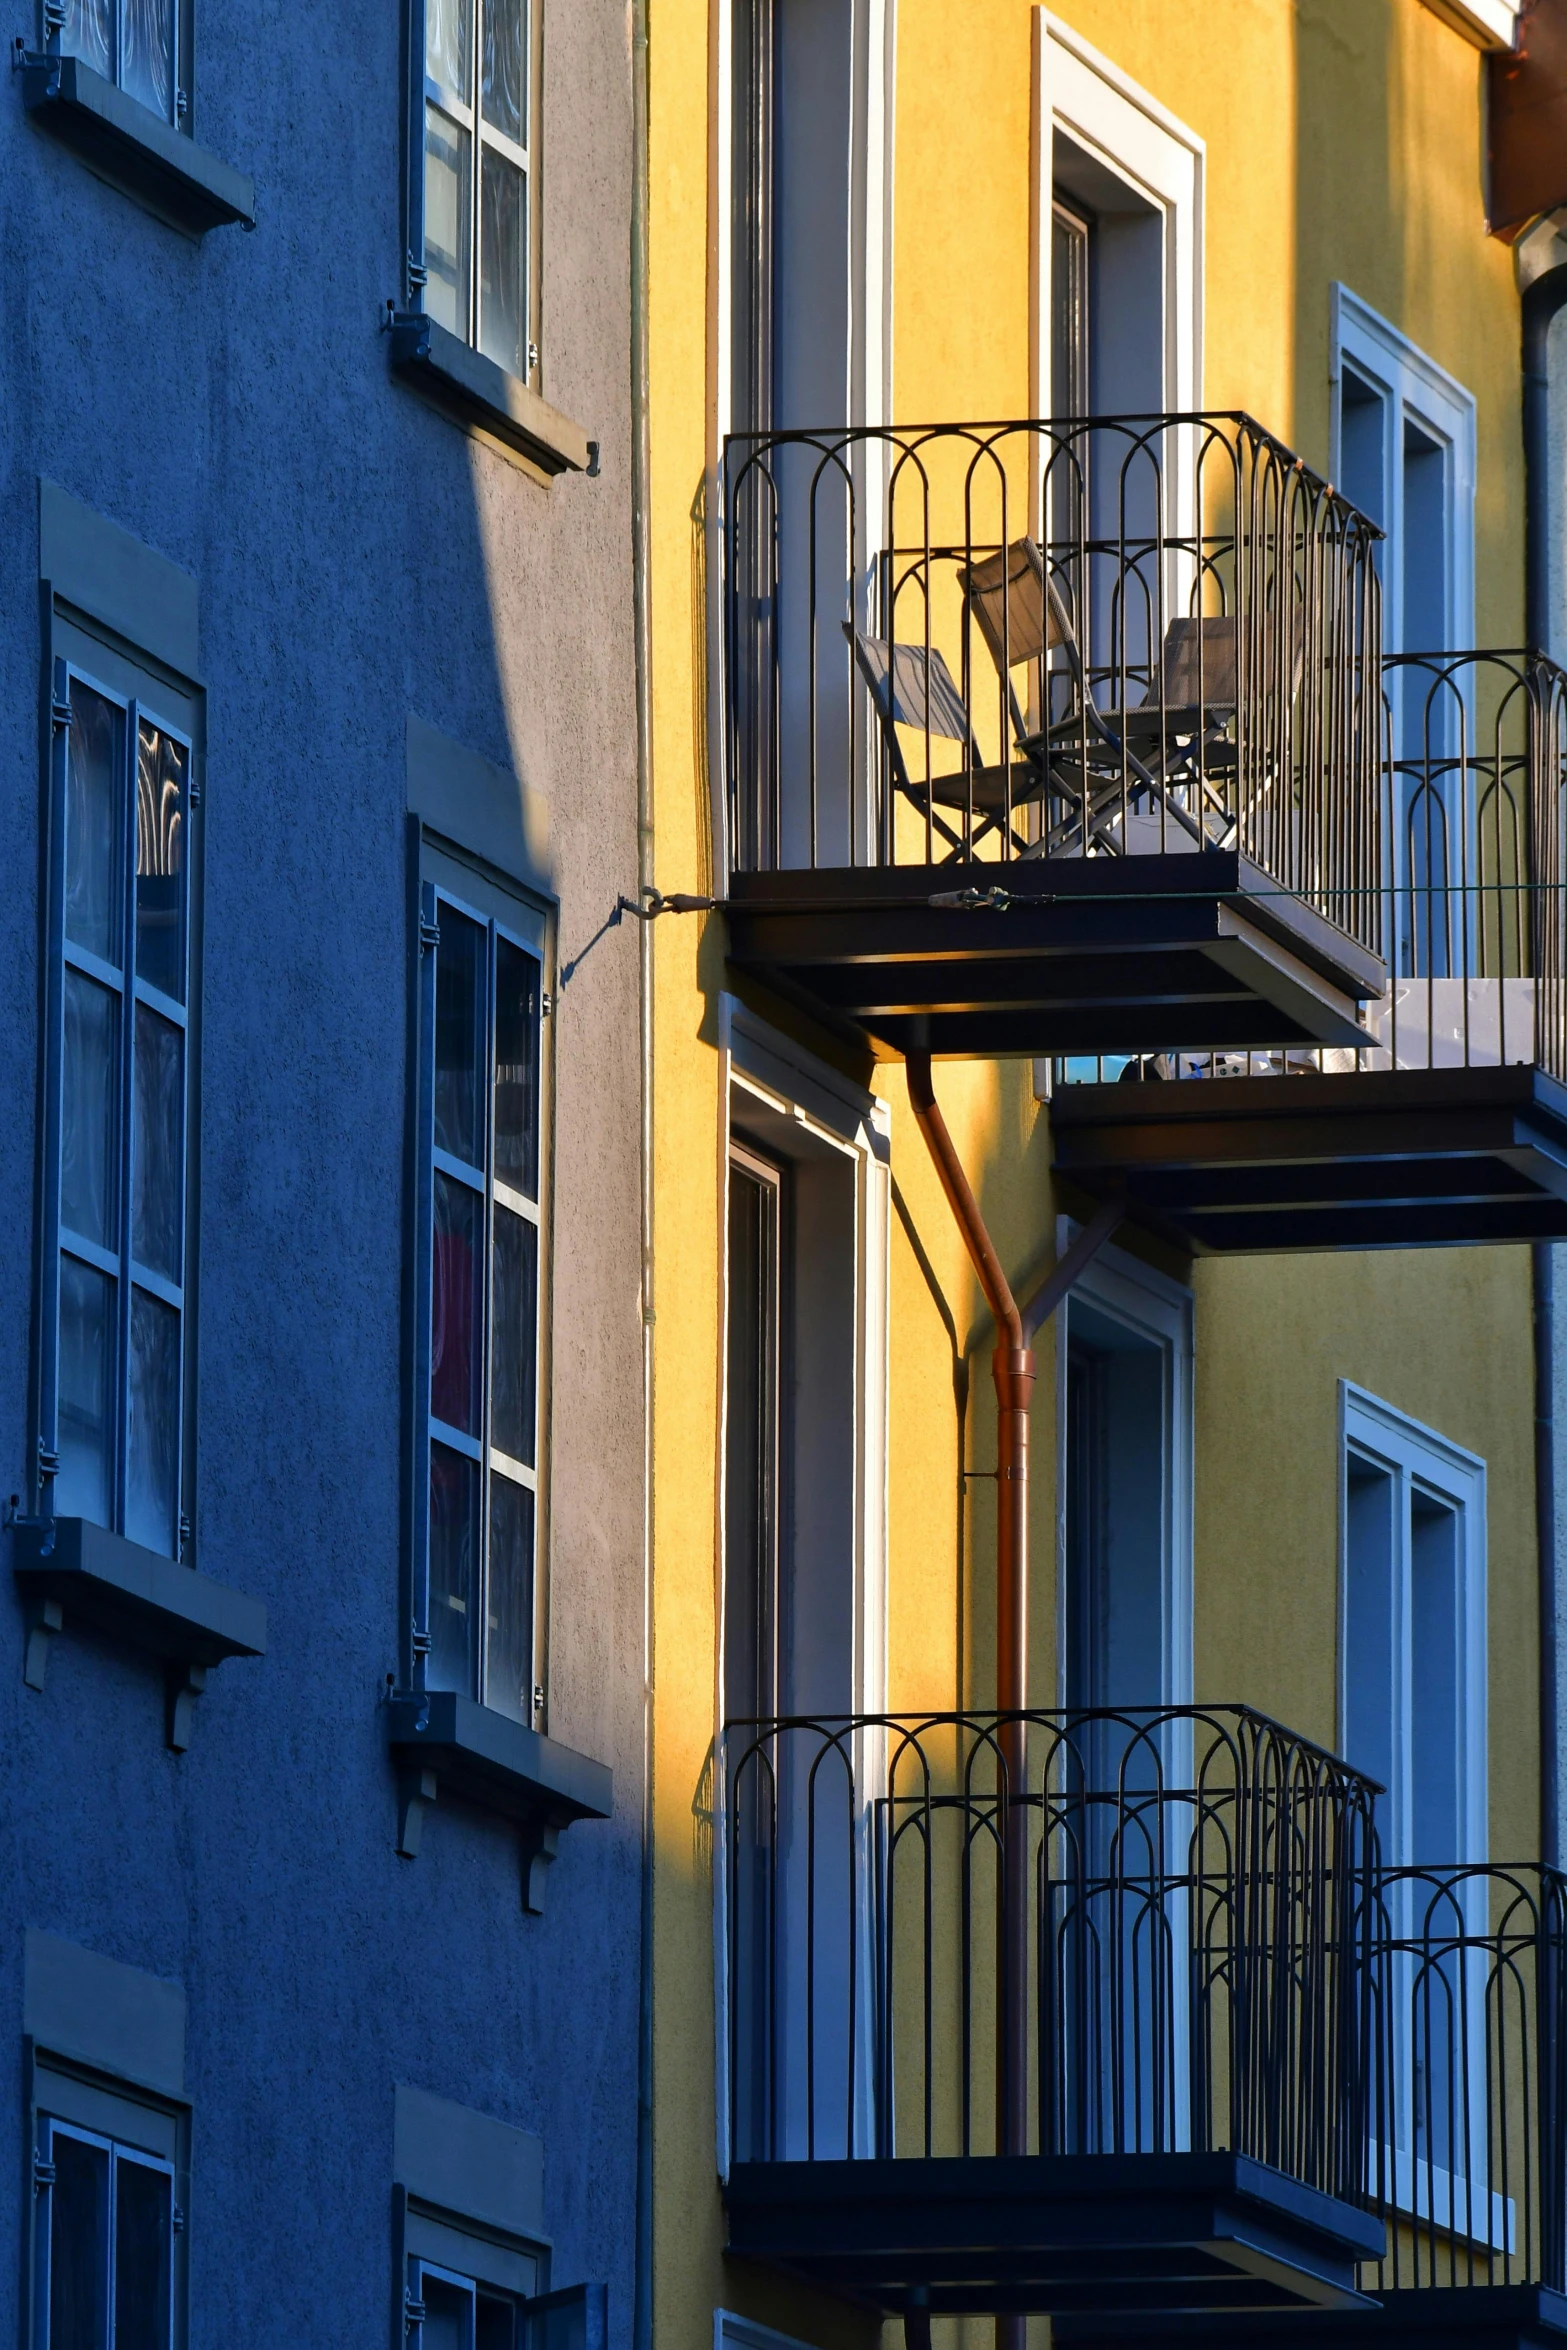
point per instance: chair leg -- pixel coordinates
(916, 2327)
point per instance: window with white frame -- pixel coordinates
(1413, 1631)
(480, 1268)
(473, 250)
(118, 1151)
(448, 2311)
(105, 2220)
(142, 46)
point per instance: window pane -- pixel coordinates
(506, 67)
(457, 1307)
(79, 2246)
(89, 1102)
(516, 1069)
(158, 1141)
(143, 2219)
(92, 825)
(509, 1632)
(88, 33)
(448, 45)
(448, 2315)
(160, 862)
(153, 1468)
(446, 201)
(514, 1308)
(148, 73)
(459, 1038)
(86, 1375)
(502, 244)
(454, 1569)
(497, 2327)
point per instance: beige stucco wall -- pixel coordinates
(1342, 141)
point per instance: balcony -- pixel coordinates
(1447, 1122)
(1062, 2013)
(1467, 2161)
(1052, 738)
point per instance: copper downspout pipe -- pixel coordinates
(1012, 1369)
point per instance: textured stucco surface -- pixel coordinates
(357, 558)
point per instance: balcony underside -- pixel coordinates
(1107, 955)
(1096, 2234)
(1245, 1166)
(1462, 2317)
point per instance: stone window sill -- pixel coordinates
(135, 1596)
(127, 145)
(442, 1740)
(487, 402)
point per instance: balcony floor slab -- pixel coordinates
(1247, 1166)
(1463, 2317)
(1096, 2234)
(1113, 954)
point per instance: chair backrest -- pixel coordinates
(1199, 664)
(911, 688)
(1017, 606)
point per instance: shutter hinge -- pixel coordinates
(43, 2174)
(413, 2313)
(546, 1004)
(538, 1697)
(60, 712)
(421, 1644)
(429, 933)
(194, 792)
(181, 105)
(48, 1460)
(178, 2220)
(54, 17)
(533, 357)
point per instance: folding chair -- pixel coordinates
(910, 687)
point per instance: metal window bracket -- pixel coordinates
(183, 1684)
(416, 1787)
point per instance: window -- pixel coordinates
(116, 1338)
(1413, 1632)
(139, 45)
(451, 2312)
(106, 2219)
(480, 1254)
(475, 255)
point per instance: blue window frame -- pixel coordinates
(114, 1330)
(473, 232)
(103, 2263)
(142, 46)
(479, 1273)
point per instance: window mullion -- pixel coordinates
(47, 1453)
(127, 1140)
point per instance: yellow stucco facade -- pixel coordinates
(1341, 141)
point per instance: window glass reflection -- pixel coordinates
(89, 1112)
(161, 777)
(506, 68)
(153, 1446)
(92, 824)
(502, 235)
(79, 2246)
(142, 2231)
(157, 1155)
(516, 1069)
(447, 235)
(460, 1057)
(83, 1487)
(454, 1569)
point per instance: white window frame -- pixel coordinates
(504, 917)
(52, 2126)
(1418, 1456)
(1161, 1311)
(136, 705)
(1413, 387)
(523, 155)
(1082, 94)
(760, 1066)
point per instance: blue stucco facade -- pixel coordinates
(357, 560)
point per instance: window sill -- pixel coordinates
(487, 402)
(442, 1740)
(126, 144)
(135, 1596)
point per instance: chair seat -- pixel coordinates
(990, 788)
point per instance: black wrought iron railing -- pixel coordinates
(1100, 637)
(1086, 1933)
(1474, 880)
(1468, 2155)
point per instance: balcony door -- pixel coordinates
(1117, 1900)
(1413, 1650)
(1404, 453)
(801, 1605)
